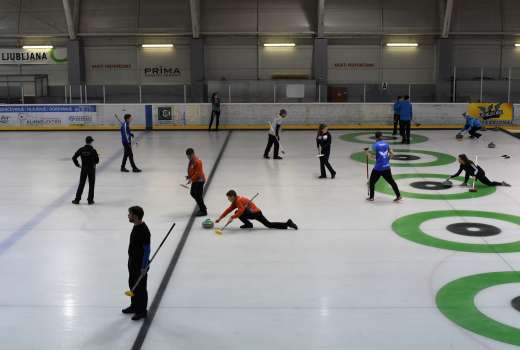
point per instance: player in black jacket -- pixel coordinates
(324, 141)
(89, 160)
(472, 169)
(138, 261)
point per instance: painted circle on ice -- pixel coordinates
(473, 229)
(385, 137)
(383, 187)
(409, 227)
(429, 185)
(440, 158)
(405, 157)
(365, 137)
(456, 300)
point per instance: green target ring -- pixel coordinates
(385, 188)
(441, 158)
(355, 137)
(409, 227)
(456, 300)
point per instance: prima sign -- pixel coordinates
(160, 71)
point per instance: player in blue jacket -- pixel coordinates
(381, 152)
(126, 139)
(472, 126)
(405, 118)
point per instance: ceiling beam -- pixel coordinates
(76, 14)
(68, 18)
(446, 23)
(195, 18)
(320, 30)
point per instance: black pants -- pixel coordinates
(270, 142)
(139, 302)
(396, 123)
(405, 126)
(387, 175)
(483, 178)
(197, 190)
(473, 132)
(248, 215)
(216, 115)
(91, 175)
(128, 155)
(324, 162)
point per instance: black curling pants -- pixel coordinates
(197, 191)
(324, 162)
(387, 175)
(270, 142)
(139, 302)
(128, 154)
(85, 174)
(214, 115)
(258, 216)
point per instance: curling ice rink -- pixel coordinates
(344, 280)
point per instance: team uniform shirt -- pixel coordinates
(240, 204)
(471, 122)
(196, 170)
(139, 247)
(276, 126)
(382, 151)
(324, 141)
(89, 157)
(126, 134)
(405, 111)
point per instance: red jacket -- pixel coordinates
(196, 171)
(241, 204)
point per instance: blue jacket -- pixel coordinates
(471, 122)
(396, 107)
(126, 134)
(405, 110)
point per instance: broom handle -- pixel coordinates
(153, 257)
(475, 177)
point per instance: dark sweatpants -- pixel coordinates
(258, 216)
(405, 126)
(473, 132)
(216, 115)
(324, 162)
(270, 142)
(387, 175)
(396, 123)
(139, 302)
(197, 191)
(91, 175)
(483, 178)
(128, 155)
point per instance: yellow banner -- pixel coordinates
(492, 113)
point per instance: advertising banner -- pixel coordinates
(33, 56)
(63, 117)
(492, 113)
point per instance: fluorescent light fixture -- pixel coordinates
(157, 45)
(402, 44)
(37, 46)
(279, 45)
(517, 45)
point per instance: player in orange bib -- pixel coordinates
(247, 210)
